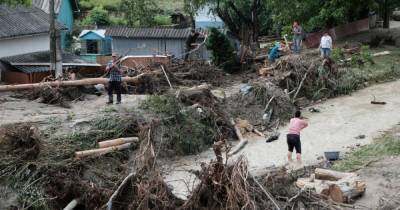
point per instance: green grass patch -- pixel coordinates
(386, 146)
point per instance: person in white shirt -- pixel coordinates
(325, 45)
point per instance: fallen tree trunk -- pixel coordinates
(101, 151)
(116, 142)
(82, 82)
(339, 186)
(326, 174)
(242, 141)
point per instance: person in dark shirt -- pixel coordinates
(190, 41)
(115, 79)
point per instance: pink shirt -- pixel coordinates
(296, 125)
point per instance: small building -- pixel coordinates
(24, 30)
(64, 11)
(152, 41)
(34, 67)
(94, 43)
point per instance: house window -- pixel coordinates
(92, 47)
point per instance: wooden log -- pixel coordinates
(326, 174)
(242, 141)
(378, 102)
(381, 53)
(71, 205)
(347, 189)
(82, 82)
(101, 151)
(199, 94)
(265, 71)
(116, 142)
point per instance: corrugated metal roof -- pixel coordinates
(21, 21)
(32, 69)
(24, 62)
(172, 33)
(43, 57)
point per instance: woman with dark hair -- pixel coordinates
(293, 137)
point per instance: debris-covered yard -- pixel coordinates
(167, 146)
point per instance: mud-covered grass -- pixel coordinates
(385, 146)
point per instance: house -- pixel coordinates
(205, 19)
(151, 41)
(64, 11)
(34, 67)
(24, 30)
(94, 43)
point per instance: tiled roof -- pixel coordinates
(21, 21)
(172, 33)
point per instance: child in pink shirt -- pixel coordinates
(293, 137)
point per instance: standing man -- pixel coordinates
(293, 137)
(115, 80)
(190, 41)
(297, 37)
(325, 45)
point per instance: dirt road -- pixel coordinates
(334, 128)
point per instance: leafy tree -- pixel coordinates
(139, 12)
(222, 50)
(97, 16)
(15, 2)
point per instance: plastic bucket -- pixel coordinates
(332, 155)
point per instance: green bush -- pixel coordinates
(162, 20)
(97, 16)
(287, 30)
(222, 50)
(338, 54)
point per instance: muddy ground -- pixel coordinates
(333, 128)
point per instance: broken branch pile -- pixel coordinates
(20, 140)
(197, 72)
(263, 98)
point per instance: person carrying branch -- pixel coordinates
(293, 137)
(115, 79)
(191, 42)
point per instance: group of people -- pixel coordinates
(325, 45)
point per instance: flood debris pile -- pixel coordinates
(262, 99)
(61, 96)
(19, 141)
(50, 177)
(197, 72)
(145, 187)
(189, 121)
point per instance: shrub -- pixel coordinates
(222, 50)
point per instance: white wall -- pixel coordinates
(28, 44)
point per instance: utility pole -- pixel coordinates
(55, 47)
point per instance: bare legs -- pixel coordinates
(298, 157)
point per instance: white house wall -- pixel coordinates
(127, 46)
(27, 44)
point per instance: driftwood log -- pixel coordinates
(338, 186)
(116, 142)
(102, 151)
(82, 82)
